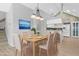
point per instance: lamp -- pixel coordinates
(37, 15)
(41, 18)
(33, 16)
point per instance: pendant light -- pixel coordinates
(37, 14)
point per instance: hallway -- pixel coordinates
(5, 49)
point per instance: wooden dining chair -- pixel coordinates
(56, 42)
(26, 47)
(50, 47)
(23, 44)
(58, 37)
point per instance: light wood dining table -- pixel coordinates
(34, 39)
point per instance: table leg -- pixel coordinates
(33, 48)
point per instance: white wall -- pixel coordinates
(9, 26)
(5, 7)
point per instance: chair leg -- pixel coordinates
(16, 52)
(47, 53)
(26, 52)
(39, 51)
(21, 52)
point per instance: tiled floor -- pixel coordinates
(69, 47)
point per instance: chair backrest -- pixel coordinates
(50, 40)
(57, 37)
(51, 43)
(21, 39)
(56, 41)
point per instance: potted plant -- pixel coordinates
(38, 33)
(33, 29)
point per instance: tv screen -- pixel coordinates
(24, 24)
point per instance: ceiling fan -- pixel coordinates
(59, 13)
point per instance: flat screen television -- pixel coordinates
(24, 24)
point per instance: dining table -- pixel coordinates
(34, 38)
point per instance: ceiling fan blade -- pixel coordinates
(60, 12)
(57, 14)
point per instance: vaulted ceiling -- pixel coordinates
(52, 8)
(48, 8)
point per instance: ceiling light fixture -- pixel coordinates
(37, 14)
(33, 16)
